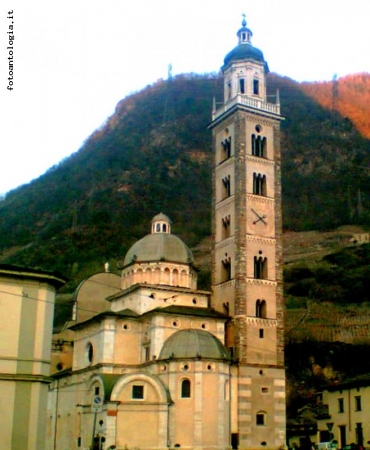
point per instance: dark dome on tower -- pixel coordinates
(244, 50)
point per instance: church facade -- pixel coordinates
(157, 363)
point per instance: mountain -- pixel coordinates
(155, 154)
(350, 96)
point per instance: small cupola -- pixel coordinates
(244, 50)
(161, 224)
(244, 34)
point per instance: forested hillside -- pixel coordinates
(350, 96)
(154, 154)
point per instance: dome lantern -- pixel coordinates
(244, 34)
(161, 224)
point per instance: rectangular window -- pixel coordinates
(265, 390)
(260, 419)
(96, 390)
(138, 392)
(340, 405)
(343, 435)
(242, 86)
(358, 403)
(359, 434)
(185, 388)
(234, 441)
(256, 87)
(261, 333)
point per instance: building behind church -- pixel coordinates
(27, 305)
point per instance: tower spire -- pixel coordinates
(244, 22)
(244, 34)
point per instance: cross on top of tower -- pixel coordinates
(244, 34)
(244, 22)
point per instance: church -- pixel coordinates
(157, 363)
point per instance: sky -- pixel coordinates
(74, 60)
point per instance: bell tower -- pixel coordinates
(247, 251)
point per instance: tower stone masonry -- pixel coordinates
(247, 251)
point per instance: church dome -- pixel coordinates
(160, 245)
(192, 344)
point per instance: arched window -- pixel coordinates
(185, 388)
(260, 268)
(259, 184)
(226, 227)
(259, 145)
(261, 309)
(226, 269)
(89, 352)
(157, 275)
(139, 276)
(228, 90)
(226, 187)
(175, 277)
(263, 147)
(167, 276)
(226, 146)
(183, 278)
(148, 275)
